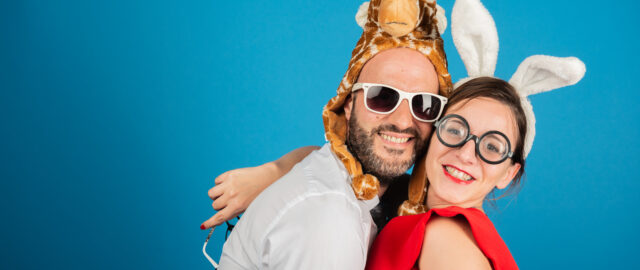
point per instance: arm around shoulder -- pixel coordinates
(284, 164)
(236, 189)
(449, 244)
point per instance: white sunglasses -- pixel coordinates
(384, 99)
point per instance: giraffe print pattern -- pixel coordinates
(424, 38)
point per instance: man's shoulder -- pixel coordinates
(319, 176)
(316, 191)
(319, 172)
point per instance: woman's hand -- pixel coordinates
(236, 189)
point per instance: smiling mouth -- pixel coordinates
(457, 174)
(400, 23)
(393, 139)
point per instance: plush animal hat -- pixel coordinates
(387, 24)
(476, 38)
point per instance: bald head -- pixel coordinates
(402, 68)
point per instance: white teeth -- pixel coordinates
(458, 174)
(394, 139)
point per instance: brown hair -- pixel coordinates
(503, 92)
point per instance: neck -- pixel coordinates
(434, 201)
(382, 189)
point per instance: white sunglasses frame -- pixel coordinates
(403, 95)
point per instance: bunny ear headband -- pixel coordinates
(476, 38)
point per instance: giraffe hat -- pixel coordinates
(422, 21)
(476, 38)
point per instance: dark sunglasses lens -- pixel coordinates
(382, 99)
(426, 107)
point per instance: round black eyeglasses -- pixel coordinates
(492, 147)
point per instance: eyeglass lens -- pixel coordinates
(493, 147)
(454, 132)
(384, 99)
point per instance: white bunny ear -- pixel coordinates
(540, 73)
(362, 14)
(475, 36)
(441, 18)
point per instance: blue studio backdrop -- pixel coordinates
(118, 115)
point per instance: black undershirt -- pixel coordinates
(397, 192)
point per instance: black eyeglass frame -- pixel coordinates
(475, 138)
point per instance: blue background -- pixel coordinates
(117, 116)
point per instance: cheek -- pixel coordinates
(361, 110)
(425, 129)
(434, 152)
(493, 174)
(366, 119)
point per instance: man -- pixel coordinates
(317, 216)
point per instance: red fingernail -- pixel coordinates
(202, 227)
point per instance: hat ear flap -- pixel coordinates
(416, 203)
(541, 73)
(475, 36)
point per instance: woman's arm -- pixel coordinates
(449, 244)
(234, 190)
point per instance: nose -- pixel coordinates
(402, 117)
(467, 152)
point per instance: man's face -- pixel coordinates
(387, 144)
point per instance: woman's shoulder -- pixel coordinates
(449, 244)
(400, 244)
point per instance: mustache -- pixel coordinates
(389, 127)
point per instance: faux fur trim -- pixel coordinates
(361, 15)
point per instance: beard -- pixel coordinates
(360, 144)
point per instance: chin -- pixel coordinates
(450, 192)
(390, 156)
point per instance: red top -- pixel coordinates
(399, 244)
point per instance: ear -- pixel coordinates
(509, 175)
(541, 73)
(362, 14)
(442, 19)
(475, 36)
(348, 106)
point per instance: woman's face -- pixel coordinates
(458, 176)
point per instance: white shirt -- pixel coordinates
(308, 219)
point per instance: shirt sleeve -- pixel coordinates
(319, 232)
